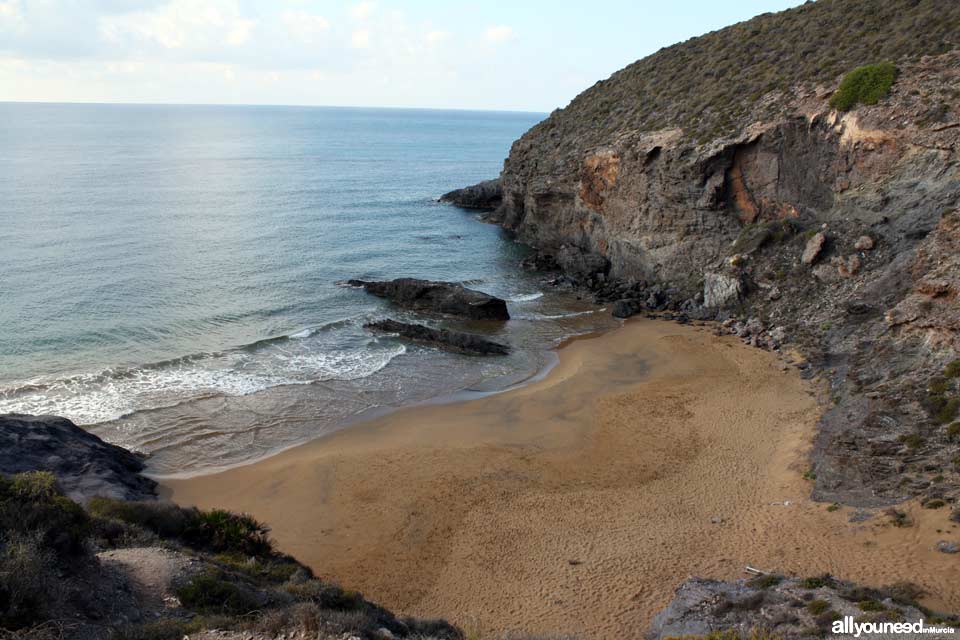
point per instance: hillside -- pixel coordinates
(709, 85)
(716, 179)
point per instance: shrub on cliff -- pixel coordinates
(32, 505)
(43, 538)
(864, 85)
(216, 531)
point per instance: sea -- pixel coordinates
(172, 277)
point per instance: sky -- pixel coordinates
(530, 55)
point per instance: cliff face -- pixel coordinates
(660, 206)
(839, 231)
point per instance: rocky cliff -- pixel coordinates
(716, 174)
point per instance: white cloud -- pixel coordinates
(362, 11)
(304, 27)
(181, 24)
(498, 33)
(437, 37)
(360, 39)
(10, 15)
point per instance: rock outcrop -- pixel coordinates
(85, 465)
(785, 607)
(486, 195)
(441, 297)
(457, 341)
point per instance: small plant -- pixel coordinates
(935, 503)
(871, 605)
(953, 431)
(952, 370)
(912, 440)
(833, 507)
(809, 475)
(816, 607)
(898, 518)
(864, 85)
(948, 412)
(765, 581)
(815, 582)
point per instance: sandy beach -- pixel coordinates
(577, 504)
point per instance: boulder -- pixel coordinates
(627, 307)
(85, 465)
(443, 297)
(457, 341)
(814, 246)
(483, 195)
(581, 265)
(720, 290)
(863, 243)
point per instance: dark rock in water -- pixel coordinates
(444, 297)
(540, 261)
(627, 307)
(443, 338)
(84, 465)
(483, 195)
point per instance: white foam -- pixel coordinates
(525, 297)
(94, 398)
(559, 316)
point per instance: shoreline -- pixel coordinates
(375, 413)
(576, 503)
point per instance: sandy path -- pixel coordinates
(578, 503)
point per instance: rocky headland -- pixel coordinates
(799, 226)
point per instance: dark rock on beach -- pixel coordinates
(458, 341)
(483, 195)
(85, 465)
(443, 297)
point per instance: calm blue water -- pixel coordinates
(169, 273)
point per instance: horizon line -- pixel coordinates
(294, 106)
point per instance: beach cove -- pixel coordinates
(577, 503)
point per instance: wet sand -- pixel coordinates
(578, 503)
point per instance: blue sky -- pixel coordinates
(495, 54)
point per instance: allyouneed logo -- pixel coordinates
(847, 626)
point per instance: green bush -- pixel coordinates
(222, 531)
(952, 370)
(216, 531)
(327, 596)
(29, 582)
(816, 582)
(816, 607)
(212, 593)
(948, 411)
(864, 85)
(764, 581)
(31, 504)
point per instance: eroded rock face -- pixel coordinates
(442, 297)
(483, 195)
(84, 465)
(443, 338)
